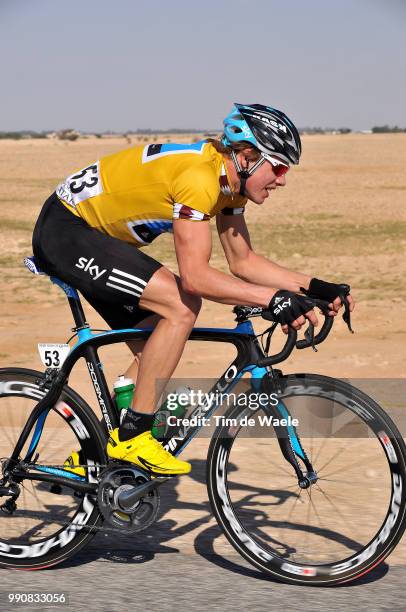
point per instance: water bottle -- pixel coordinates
(161, 430)
(124, 391)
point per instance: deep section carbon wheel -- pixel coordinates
(351, 515)
(45, 523)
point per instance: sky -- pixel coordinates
(98, 65)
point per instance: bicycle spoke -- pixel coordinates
(336, 509)
(10, 440)
(346, 482)
(41, 513)
(340, 471)
(339, 514)
(321, 540)
(337, 454)
(322, 446)
(294, 505)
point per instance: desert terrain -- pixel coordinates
(341, 217)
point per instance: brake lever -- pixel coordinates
(309, 336)
(312, 339)
(347, 312)
(270, 332)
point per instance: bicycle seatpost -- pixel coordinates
(74, 302)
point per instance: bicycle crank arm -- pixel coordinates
(127, 499)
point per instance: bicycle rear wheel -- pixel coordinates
(50, 523)
(345, 523)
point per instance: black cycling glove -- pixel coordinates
(323, 290)
(286, 306)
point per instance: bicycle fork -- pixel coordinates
(288, 438)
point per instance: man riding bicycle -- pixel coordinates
(90, 232)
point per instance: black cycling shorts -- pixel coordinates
(109, 273)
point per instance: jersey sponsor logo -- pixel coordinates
(86, 265)
(125, 282)
(155, 151)
(146, 230)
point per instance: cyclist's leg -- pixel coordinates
(137, 346)
(125, 284)
(156, 358)
(178, 311)
(116, 273)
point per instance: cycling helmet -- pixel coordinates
(267, 128)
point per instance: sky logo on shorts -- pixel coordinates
(86, 265)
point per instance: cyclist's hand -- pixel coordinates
(337, 304)
(298, 323)
(290, 309)
(330, 292)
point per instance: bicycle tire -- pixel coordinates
(265, 557)
(83, 426)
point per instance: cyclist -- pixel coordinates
(91, 230)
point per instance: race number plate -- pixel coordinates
(53, 355)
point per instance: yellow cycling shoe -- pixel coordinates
(73, 464)
(144, 450)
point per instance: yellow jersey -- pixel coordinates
(135, 194)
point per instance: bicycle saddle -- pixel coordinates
(32, 265)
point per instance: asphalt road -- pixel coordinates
(130, 579)
(183, 560)
(168, 568)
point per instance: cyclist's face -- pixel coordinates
(261, 184)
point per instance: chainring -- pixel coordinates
(113, 481)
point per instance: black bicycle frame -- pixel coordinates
(242, 337)
(250, 358)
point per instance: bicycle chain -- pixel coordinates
(102, 527)
(64, 467)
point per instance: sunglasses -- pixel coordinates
(278, 167)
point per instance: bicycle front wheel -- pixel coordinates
(352, 515)
(46, 523)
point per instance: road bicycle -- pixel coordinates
(312, 493)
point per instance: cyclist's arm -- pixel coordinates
(193, 249)
(250, 266)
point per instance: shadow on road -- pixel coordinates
(141, 548)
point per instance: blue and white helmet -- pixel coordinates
(266, 128)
